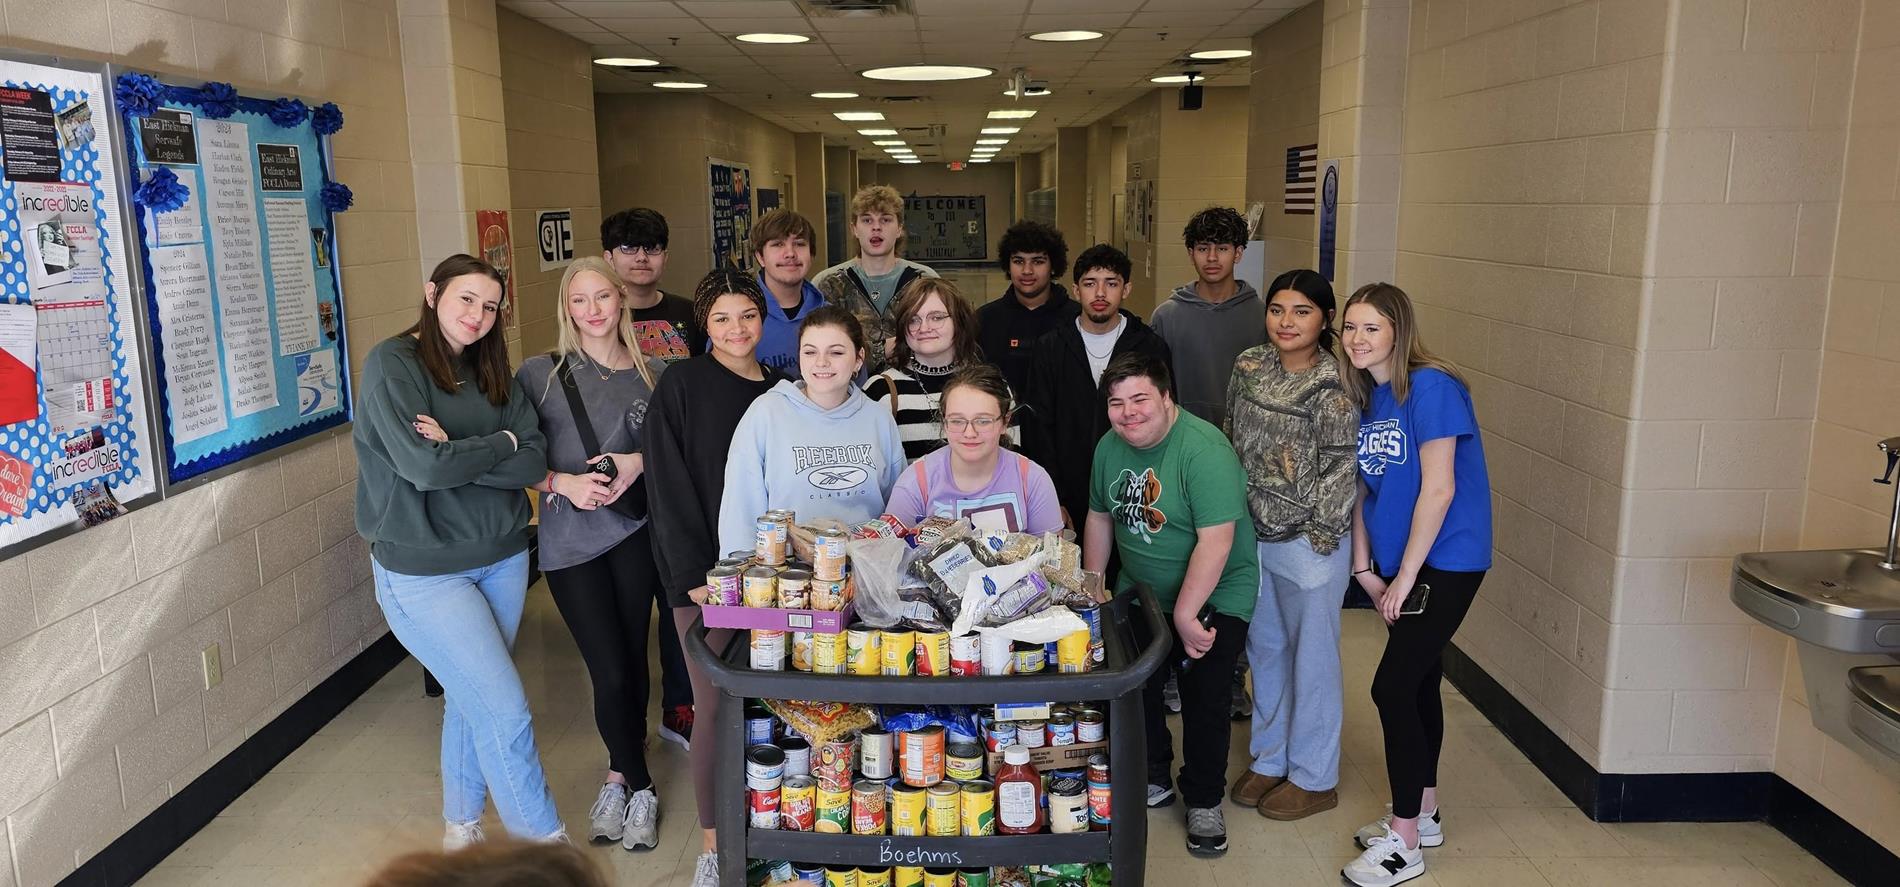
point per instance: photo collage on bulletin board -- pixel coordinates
(731, 185)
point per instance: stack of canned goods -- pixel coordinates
(904, 652)
(1071, 875)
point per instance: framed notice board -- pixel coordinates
(731, 189)
(237, 245)
(945, 228)
(75, 419)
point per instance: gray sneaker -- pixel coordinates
(609, 812)
(461, 834)
(642, 828)
(1171, 695)
(1206, 831)
(706, 870)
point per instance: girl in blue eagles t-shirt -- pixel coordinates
(1423, 520)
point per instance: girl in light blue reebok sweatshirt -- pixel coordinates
(817, 446)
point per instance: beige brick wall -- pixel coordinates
(1283, 111)
(103, 717)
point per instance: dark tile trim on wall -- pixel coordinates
(1675, 797)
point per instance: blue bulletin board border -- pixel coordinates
(216, 101)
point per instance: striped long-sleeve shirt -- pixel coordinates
(918, 399)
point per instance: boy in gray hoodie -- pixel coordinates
(1208, 323)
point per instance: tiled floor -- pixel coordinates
(365, 789)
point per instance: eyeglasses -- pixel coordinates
(958, 424)
(919, 321)
(633, 251)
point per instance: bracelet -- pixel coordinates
(1358, 572)
(550, 481)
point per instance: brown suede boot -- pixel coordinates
(1251, 788)
(1289, 802)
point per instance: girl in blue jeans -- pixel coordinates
(446, 441)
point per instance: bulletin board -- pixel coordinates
(731, 185)
(945, 228)
(75, 427)
(237, 245)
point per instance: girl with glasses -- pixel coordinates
(938, 338)
(973, 476)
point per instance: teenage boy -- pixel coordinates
(1210, 321)
(781, 247)
(868, 284)
(1168, 492)
(634, 241)
(1033, 255)
(1065, 415)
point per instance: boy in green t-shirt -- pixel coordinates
(1168, 490)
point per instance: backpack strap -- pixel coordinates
(583, 426)
(923, 482)
(891, 383)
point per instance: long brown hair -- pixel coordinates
(1408, 347)
(488, 357)
(910, 302)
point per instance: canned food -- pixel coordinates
(899, 655)
(834, 811)
(1032, 734)
(867, 807)
(1068, 806)
(827, 594)
(828, 554)
(768, 650)
(1029, 658)
(976, 877)
(809, 874)
(1090, 726)
(827, 653)
(907, 811)
(762, 807)
(923, 756)
(724, 586)
(863, 650)
(742, 563)
(834, 762)
(760, 587)
(760, 725)
(874, 877)
(935, 877)
(963, 761)
(907, 876)
(1072, 649)
(747, 556)
(1098, 767)
(944, 806)
(794, 590)
(1001, 735)
(1061, 729)
(933, 654)
(764, 767)
(966, 655)
(841, 876)
(1099, 806)
(798, 804)
(876, 749)
(998, 654)
(1093, 616)
(978, 808)
(797, 756)
(770, 539)
(801, 650)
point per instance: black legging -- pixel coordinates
(607, 604)
(1405, 688)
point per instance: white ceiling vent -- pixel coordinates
(854, 8)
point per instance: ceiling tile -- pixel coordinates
(1170, 7)
(1082, 7)
(738, 8)
(1179, 21)
(969, 7)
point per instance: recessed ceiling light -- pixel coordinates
(992, 141)
(927, 72)
(621, 62)
(858, 115)
(1001, 130)
(1065, 36)
(834, 95)
(1176, 78)
(910, 160)
(877, 132)
(1012, 114)
(772, 38)
(680, 84)
(886, 143)
(1221, 54)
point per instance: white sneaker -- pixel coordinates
(462, 834)
(1431, 832)
(706, 870)
(642, 825)
(1386, 862)
(609, 814)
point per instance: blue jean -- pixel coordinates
(1293, 647)
(461, 627)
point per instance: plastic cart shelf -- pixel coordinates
(1118, 680)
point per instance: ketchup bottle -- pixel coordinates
(1018, 794)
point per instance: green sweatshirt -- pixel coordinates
(433, 508)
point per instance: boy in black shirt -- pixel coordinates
(1033, 255)
(634, 243)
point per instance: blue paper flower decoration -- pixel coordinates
(138, 94)
(337, 196)
(326, 119)
(288, 113)
(218, 99)
(161, 191)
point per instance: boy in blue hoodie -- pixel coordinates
(781, 247)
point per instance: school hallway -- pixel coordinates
(365, 789)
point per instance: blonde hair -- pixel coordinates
(1408, 348)
(568, 344)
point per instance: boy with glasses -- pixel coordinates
(634, 241)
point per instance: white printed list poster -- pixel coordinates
(238, 260)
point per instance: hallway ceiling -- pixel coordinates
(1088, 80)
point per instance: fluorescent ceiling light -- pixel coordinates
(1001, 130)
(910, 160)
(772, 38)
(858, 115)
(900, 151)
(927, 72)
(887, 143)
(1176, 78)
(1221, 54)
(979, 160)
(1012, 114)
(834, 95)
(622, 62)
(877, 132)
(992, 141)
(680, 84)
(1065, 36)
(1034, 93)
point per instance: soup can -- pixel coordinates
(943, 808)
(1072, 649)
(933, 654)
(768, 650)
(828, 555)
(1061, 729)
(864, 650)
(759, 724)
(1029, 658)
(923, 756)
(833, 763)
(1090, 726)
(834, 811)
(841, 876)
(764, 767)
(978, 808)
(867, 807)
(907, 811)
(966, 655)
(827, 594)
(877, 753)
(907, 876)
(762, 807)
(797, 756)
(898, 656)
(794, 590)
(939, 877)
(827, 653)
(760, 587)
(877, 877)
(801, 650)
(998, 654)
(963, 761)
(1001, 735)
(770, 539)
(798, 804)
(1093, 616)
(724, 586)
(1032, 734)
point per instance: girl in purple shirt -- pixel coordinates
(972, 476)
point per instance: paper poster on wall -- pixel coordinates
(293, 271)
(28, 134)
(946, 227)
(498, 247)
(731, 185)
(19, 380)
(181, 287)
(169, 137)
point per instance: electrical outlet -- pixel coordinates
(213, 667)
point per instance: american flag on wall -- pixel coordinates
(1302, 163)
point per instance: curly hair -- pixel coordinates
(1031, 238)
(1217, 225)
